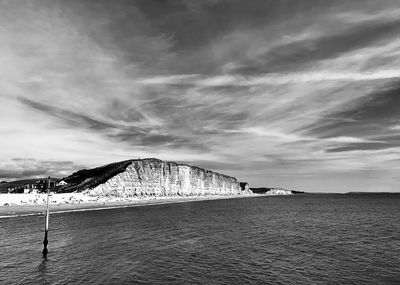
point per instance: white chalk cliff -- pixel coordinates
(153, 177)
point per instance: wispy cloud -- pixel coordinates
(269, 79)
(291, 95)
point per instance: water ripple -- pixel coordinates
(310, 239)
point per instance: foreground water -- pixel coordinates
(306, 239)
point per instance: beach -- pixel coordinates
(14, 205)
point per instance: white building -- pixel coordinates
(62, 183)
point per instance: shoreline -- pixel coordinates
(23, 210)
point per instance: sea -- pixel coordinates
(299, 239)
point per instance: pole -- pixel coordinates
(46, 229)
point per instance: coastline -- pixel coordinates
(78, 202)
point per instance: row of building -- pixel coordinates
(37, 186)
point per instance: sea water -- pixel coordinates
(301, 239)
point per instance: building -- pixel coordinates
(62, 183)
(30, 188)
(43, 184)
(16, 189)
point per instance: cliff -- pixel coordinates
(273, 191)
(151, 177)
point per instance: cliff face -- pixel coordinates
(271, 191)
(279, 191)
(153, 177)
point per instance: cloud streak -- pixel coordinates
(276, 94)
(268, 79)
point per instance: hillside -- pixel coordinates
(90, 178)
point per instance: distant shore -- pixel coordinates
(16, 205)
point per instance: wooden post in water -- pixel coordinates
(46, 229)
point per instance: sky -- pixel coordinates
(296, 94)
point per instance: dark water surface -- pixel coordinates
(306, 239)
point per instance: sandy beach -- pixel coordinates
(14, 205)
